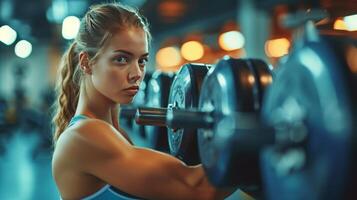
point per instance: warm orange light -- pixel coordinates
(192, 50)
(277, 47)
(266, 80)
(352, 58)
(340, 25)
(171, 8)
(168, 57)
(251, 79)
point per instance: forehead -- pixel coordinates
(133, 40)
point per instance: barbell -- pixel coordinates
(227, 118)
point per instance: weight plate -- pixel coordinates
(230, 151)
(184, 94)
(157, 96)
(312, 107)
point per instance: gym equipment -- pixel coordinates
(184, 94)
(312, 108)
(157, 96)
(230, 134)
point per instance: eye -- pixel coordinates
(143, 61)
(121, 60)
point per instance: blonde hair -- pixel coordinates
(98, 25)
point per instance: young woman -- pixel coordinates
(93, 157)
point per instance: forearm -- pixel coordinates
(181, 181)
(197, 180)
(169, 177)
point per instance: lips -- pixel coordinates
(132, 88)
(131, 91)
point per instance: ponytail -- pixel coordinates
(67, 89)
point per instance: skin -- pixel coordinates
(96, 151)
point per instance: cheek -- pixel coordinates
(116, 77)
(108, 79)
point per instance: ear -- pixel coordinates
(84, 62)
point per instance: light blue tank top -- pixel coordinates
(107, 192)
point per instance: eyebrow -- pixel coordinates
(129, 53)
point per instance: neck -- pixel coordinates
(94, 105)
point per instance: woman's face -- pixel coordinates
(120, 68)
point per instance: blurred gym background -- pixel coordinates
(34, 34)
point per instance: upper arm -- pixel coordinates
(139, 171)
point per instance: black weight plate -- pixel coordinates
(229, 152)
(184, 94)
(312, 107)
(157, 96)
(263, 75)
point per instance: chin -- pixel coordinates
(125, 101)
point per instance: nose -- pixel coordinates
(135, 73)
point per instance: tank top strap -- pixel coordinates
(77, 118)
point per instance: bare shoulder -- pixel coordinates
(88, 138)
